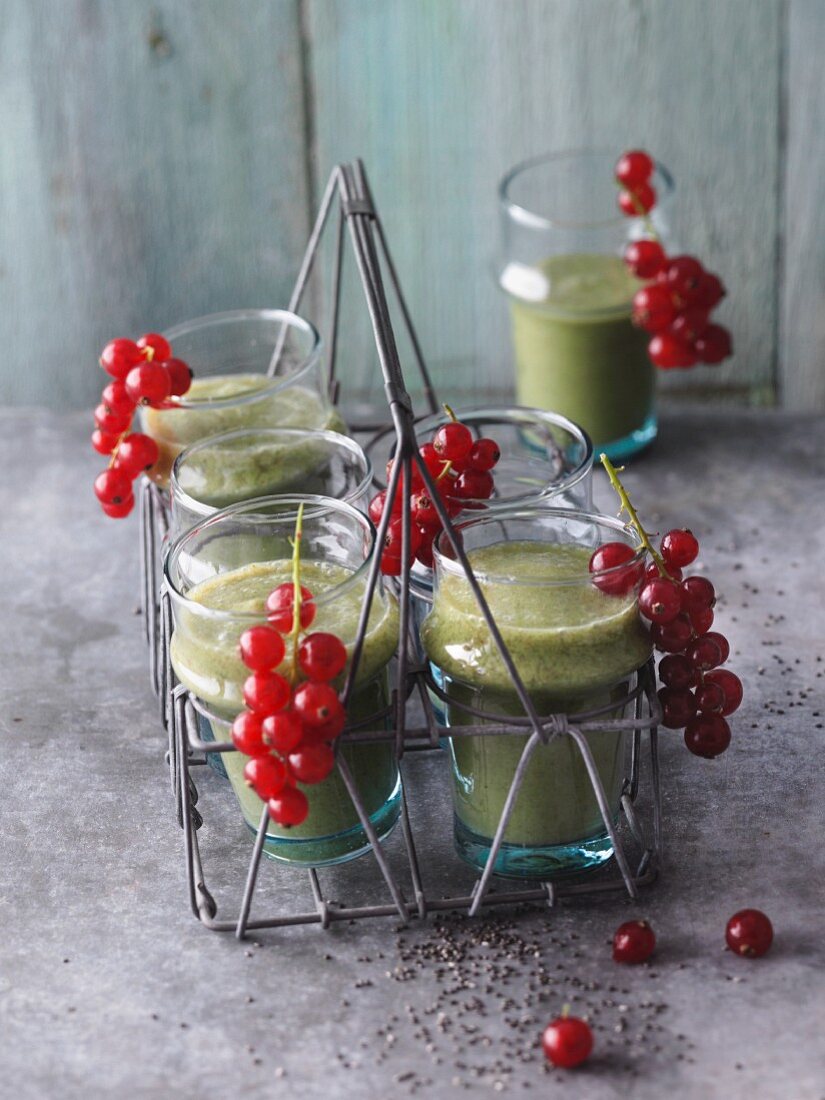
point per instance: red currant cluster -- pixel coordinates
(677, 303)
(143, 373)
(460, 466)
(288, 730)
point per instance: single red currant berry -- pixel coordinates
(731, 687)
(676, 671)
(669, 352)
(322, 656)
(689, 325)
(424, 553)
(652, 570)
(282, 731)
(180, 376)
(701, 620)
(289, 808)
(112, 423)
(703, 653)
(266, 775)
(265, 692)
(485, 454)
(633, 942)
(697, 594)
(136, 454)
(653, 308)
(672, 637)
(379, 502)
(312, 763)
(393, 539)
(121, 510)
(679, 547)
(606, 564)
(327, 730)
(710, 699)
(567, 1041)
(391, 565)
(684, 275)
(148, 384)
(280, 607)
(644, 258)
(709, 293)
(714, 345)
(116, 399)
(104, 442)
(639, 201)
(722, 642)
(315, 704)
(707, 735)
(453, 441)
(634, 167)
(749, 932)
(262, 648)
(678, 707)
(474, 485)
(247, 734)
(161, 348)
(423, 510)
(112, 487)
(119, 356)
(660, 600)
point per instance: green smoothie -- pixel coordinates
(225, 402)
(204, 653)
(575, 649)
(577, 351)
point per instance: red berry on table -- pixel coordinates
(672, 637)
(710, 698)
(148, 384)
(289, 808)
(639, 200)
(749, 932)
(453, 441)
(660, 600)
(634, 167)
(633, 942)
(265, 692)
(280, 607)
(116, 399)
(701, 620)
(653, 308)
(714, 345)
(120, 510)
(161, 348)
(119, 356)
(247, 734)
(676, 671)
(485, 454)
(644, 258)
(678, 707)
(136, 454)
(322, 656)
(312, 763)
(474, 485)
(112, 487)
(683, 277)
(112, 423)
(731, 687)
(679, 547)
(567, 1041)
(180, 376)
(704, 653)
(669, 352)
(606, 562)
(262, 648)
(316, 704)
(104, 442)
(697, 594)
(710, 292)
(266, 775)
(707, 735)
(282, 731)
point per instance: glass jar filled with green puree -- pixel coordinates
(219, 575)
(576, 350)
(230, 355)
(575, 648)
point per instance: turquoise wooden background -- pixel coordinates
(162, 158)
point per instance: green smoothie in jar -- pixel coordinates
(576, 649)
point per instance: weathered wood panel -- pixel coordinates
(152, 168)
(441, 96)
(802, 345)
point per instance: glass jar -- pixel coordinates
(576, 349)
(237, 466)
(230, 354)
(219, 575)
(576, 649)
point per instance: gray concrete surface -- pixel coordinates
(109, 987)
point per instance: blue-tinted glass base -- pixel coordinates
(522, 861)
(323, 851)
(213, 759)
(617, 450)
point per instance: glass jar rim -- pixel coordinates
(201, 509)
(531, 219)
(319, 505)
(500, 515)
(280, 316)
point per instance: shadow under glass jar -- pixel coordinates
(575, 648)
(576, 349)
(229, 354)
(219, 575)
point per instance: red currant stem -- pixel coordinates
(643, 214)
(565, 1011)
(149, 353)
(116, 447)
(450, 413)
(297, 597)
(627, 507)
